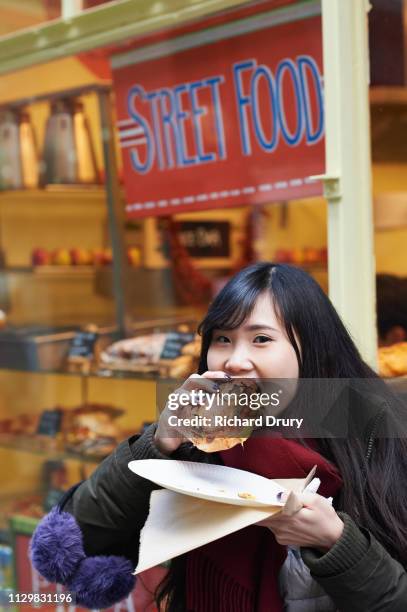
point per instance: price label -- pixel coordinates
(174, 344)
(50, 422)
(83, 345)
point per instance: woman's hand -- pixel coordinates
(168, 439)
(316, 525)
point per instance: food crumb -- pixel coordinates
(246, 496)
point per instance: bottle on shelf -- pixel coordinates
(86, 159)
(10, 166)
(28, 152)
(59, 154)
(18, 151)
(69, 156)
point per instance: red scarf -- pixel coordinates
(240, 571)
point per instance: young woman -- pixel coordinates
(270, 321)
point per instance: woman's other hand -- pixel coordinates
(167, 438)
(316, 525)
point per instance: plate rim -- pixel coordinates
(235, 501)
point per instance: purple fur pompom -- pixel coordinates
(56, 546)
(101, 582)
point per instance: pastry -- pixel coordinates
(393, 360)
(223, 438)
(215, 445)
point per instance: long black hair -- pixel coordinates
(326, 350)
(374, 488)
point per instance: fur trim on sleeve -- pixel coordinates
(57, 546)
(102, 581)
(57, 553)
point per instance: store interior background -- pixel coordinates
(49, 219)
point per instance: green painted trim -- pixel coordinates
(239, 27)
(24, 525)
(105, 25)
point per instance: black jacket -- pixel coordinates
(111, 507)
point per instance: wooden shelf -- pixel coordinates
(63, 271)
(34, 446)
(308, 267)
(388, 95)
(102, 373)
(51, 272)
(74, 196)
(58, 217)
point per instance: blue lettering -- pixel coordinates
(181, 115)
(197, 112)
(242, 102)
(214, 83)
(264, 72)
(152, 98)
(137, 164)
(305, 62)
(169, 124)
(288, 65)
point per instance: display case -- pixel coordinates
(62, 410)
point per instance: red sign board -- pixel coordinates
(226, 116)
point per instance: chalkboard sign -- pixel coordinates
(205, 238)
(174, 343)
(50, 422)
(83, 345)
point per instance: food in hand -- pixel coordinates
(215, 445)
(218, 440)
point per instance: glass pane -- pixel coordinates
(199, 132)
(389, 155)
(54, 236)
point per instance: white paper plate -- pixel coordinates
(214, 482)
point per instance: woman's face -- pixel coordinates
(259, 348)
